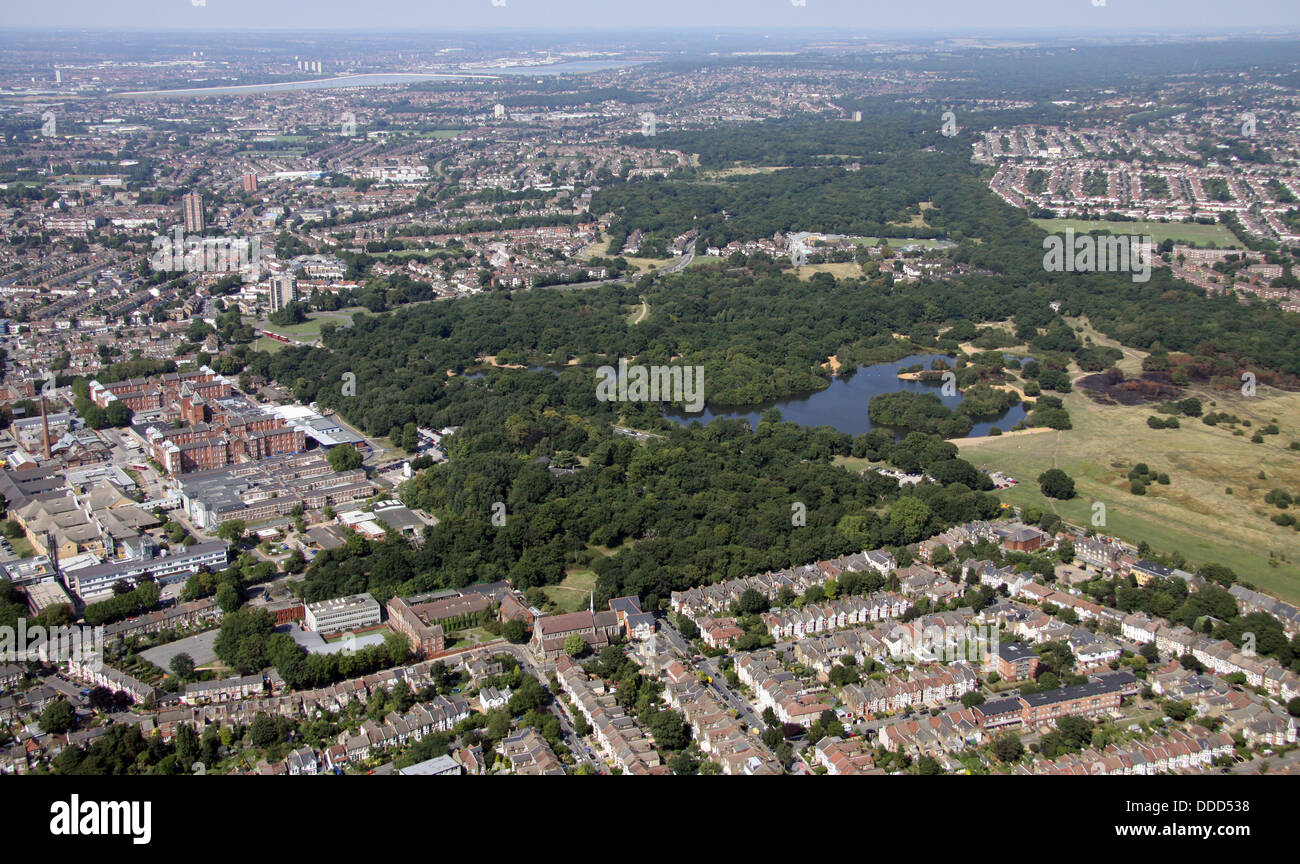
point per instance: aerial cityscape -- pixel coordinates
(774, 398)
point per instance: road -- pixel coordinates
(1286, 760)
(582, 749)
(712, 667)
(683, 262)
(65, 687)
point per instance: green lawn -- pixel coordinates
(310, 329)
(895, 242)
(1179, 232)
(305, 331)
(265, 343)
(574, 592)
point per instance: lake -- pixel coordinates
(843, 405)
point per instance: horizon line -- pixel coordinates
(864, 30)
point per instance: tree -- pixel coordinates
(232, 531)
(182, 666)
(529, 695)
(498, 725)
(228, 597)
(1178, 710)
(751, 602)
(670, 731)
(243, 641)
(928, 765)
(515, 632)
(1076, 731)
(1008, 747)
(102, 699)
(57, 717)
(909, 517)
(971, 699)
(117, 414)
(575, 645)
(1055, 483)
(263, 732)
(187, 746)
(1293, 707)
(344, 458)
(681, 764)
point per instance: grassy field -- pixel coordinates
(1195, 514)
(854, 463)
(1179, 232)
(896, 242)
(917, 221)
(738, 171)
(310, 329)
(267, 344)
(1130, 364)
(573, 593)
(644, 265)
(306, 331)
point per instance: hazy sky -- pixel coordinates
(1115, 17)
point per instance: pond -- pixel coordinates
(843, 404)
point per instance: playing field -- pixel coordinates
(897, 242)
(1179, 232)
(310, 329)
(267, 344)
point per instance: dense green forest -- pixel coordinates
(698, 504)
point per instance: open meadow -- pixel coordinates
(1213, 508)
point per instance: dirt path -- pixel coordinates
(966, 442)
